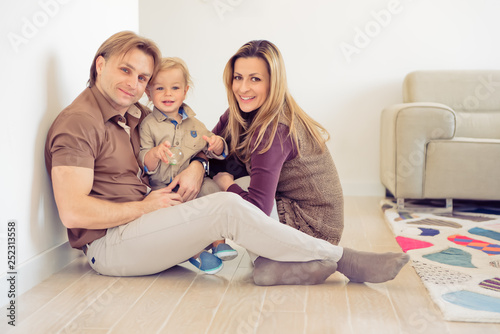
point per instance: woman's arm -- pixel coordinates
(266, 170)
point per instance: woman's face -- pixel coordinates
(250, 83)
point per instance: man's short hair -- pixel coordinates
(121, 43)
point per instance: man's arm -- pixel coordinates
(72, 186)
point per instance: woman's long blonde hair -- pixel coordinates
(279, 106)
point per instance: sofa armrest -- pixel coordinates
(405, 131)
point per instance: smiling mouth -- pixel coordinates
(168, 102)
(247, 98)
(126, 92)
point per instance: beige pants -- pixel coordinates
(166, 237)
(210, 187)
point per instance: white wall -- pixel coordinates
(46, 50)
(345, 59)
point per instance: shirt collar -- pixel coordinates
(185, 111)
(132, 115)
(107, 110)
(182, 113)
(249, 116)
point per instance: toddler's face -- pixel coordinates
(168, 91)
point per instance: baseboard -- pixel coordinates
(37, 269)
(363, 189)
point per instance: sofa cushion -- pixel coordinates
(463, 168)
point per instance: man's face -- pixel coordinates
(122, 79)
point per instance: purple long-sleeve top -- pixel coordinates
(266, 167)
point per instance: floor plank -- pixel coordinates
(48, 289)
(60, 311)
(328, 303)
(109, 307)
(371, 308)
(149, 313)
(240, 310)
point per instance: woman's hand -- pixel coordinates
(224, 180)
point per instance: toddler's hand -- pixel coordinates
(162, 151)
(215, 144)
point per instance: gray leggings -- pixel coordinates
(166, 237)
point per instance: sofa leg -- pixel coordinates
(449, 205)
(401, 204)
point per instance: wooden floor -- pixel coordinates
(180, 300)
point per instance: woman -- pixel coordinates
(282, 148)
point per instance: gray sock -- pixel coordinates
(268, 272)
(371, 267)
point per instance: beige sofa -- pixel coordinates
(443, 142)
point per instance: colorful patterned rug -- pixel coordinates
(457, 256)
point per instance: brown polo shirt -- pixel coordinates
(90, 133)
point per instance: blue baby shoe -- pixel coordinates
(208, 263)
(224, 252)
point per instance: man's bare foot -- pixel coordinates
(268, 272)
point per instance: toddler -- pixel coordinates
(171, 137)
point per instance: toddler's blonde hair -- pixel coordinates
(168, 63)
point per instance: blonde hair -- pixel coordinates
(278, 107)
(168, 63)
(121, 43)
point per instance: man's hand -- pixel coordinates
(189, 181)
(224, 180)
(161, 198)
(215, 144)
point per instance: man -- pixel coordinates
(125, 229)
